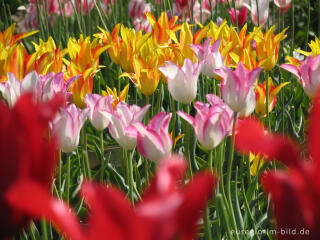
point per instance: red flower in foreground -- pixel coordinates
(295, 192)
(26, 152)
(168, 211)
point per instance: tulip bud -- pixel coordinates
(182, 82)
(237, 88)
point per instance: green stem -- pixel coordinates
(60, 175)
(267, 100)
(187, 142)
(44, 229)
(85, 152)
(210, 161)
(146, 164)
(130, 171)
(308, 26)
(207, 225)
(173, 108)
(231, 153)
(258, 12)
(235, 14)
(68, 178)
(102, 157)
(318, 18)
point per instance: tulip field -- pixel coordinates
(159, 119)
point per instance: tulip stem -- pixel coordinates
(173, 108)
(102, 157)
(68, 178)
(207, 227)
(60, 175)
(258, 13)
(86, 167)
(187, 142)
(231, 153)
(146, 164)
(210, 161)
(44, 229)
(235, 14)
(308, 26)
(130, 172)
(267, 100)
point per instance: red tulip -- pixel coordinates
(241, 16)
(26, 153)
(295, 192)
(167, 211)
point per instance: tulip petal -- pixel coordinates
(35, 200)
(252, 137)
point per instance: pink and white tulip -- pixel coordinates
(53, 84)
(44, 87)
(237, 88)
(182, 82)
(308, 73)
(67, 125)
(124, 116)
(263, 6)
(282, 3)
(153, 141)
(99, 110)
(211, 124)
(209, 55)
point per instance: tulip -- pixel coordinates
(267, 48)
(209, 55)
(307, 73)
(27, 154)
(296, 187)
(256, 162)
(263, 14)
(153, 141)
(237, 88)
(261, 96)
(168, 210)
(113, 92)
(123, 117)
(211, 124)
(163, 29)
(241, 16)
(84, 60)
(67, 126)
(43, 87)
(182, 82)
(98, 106)
(282, 3)
(7, 39)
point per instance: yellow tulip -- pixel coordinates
(256, 162)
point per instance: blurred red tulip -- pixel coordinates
(26, 152)
(167, 210)
(295, 193)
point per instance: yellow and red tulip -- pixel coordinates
(272, 96)
(84, 60)
(8, 39)
(50, 57)
(163, 28)
(267, 48)
(113, 92)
